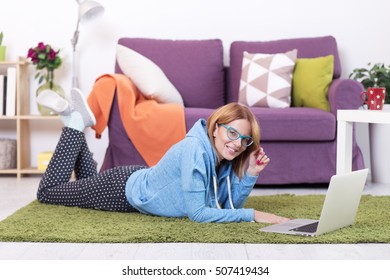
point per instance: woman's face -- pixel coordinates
(226, 148)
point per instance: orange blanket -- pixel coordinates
(152, 127)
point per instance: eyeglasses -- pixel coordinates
(233, 134)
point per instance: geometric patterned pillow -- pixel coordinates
(266, 79)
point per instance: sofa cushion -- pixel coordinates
(311, 81)
(307, 48)
(195, 67)
(266, 79)
(295, 124)
(147, 76)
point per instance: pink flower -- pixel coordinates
(51, 55)
(33, 55)
(41, 46)
(44, 57)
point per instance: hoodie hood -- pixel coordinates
(199, 131)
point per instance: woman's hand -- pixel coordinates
(263, 217)
(258, 160)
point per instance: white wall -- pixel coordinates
(360, 27)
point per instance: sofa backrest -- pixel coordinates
(307, 48)
(194, 67)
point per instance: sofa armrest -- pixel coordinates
(344, 94)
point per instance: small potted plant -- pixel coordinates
(2, 48)
(377, 75)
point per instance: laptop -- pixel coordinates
(339, 209)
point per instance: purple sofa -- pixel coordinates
(301, 142)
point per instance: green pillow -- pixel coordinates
(311, 80)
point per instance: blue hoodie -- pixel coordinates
(181, 183)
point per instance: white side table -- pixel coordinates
(345, 119)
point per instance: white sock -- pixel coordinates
(65, 119)
(74, 120)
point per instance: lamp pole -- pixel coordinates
(75, 82)
(87, 10)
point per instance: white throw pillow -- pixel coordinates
(147, 76)
(266, 79)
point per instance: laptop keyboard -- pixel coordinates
(307, 228)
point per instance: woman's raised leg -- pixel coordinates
(104, 191)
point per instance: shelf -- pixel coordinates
(29, 117)
(21, 61)
(38, 117)
(8, 171)
(8, 118)
(20, 172)
(24, 122)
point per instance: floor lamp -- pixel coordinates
(88, 10)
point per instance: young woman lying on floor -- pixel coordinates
(206, 177)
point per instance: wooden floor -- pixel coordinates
(16, 193)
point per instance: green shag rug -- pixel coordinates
(49, 223)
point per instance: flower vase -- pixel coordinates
(55, 88)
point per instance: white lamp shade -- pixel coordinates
(89, 10)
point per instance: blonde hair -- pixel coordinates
(226, 114)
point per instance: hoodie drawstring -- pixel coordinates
(229, 192)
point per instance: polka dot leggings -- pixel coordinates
(104, 191)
